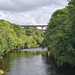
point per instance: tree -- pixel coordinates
(71, 9)
(13, 36)
(58, 37)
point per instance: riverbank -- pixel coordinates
(18, 48)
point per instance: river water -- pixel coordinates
(31, 62)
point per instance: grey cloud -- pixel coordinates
(28, 5)
(26, 18)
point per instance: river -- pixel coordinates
(31, 62)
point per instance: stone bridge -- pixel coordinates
(34, 26)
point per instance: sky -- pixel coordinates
(29, 12)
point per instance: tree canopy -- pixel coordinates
(60, 35)
(13, 36)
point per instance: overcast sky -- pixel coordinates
(29, 11)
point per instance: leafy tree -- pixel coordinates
(58, 37)
(1, 47)
(29, 31)
(13, 36)
(71, 9)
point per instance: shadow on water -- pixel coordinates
(32, 63)
(52, 68)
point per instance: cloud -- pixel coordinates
(25, 18)
(29, 11)
(28, 5)
(20, 18)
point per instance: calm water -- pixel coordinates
(31, 62)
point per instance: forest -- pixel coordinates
(60, 35)
(13, 36)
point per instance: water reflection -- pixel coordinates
(30, 63)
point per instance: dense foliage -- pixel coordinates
(13, 36)
(60, 35)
